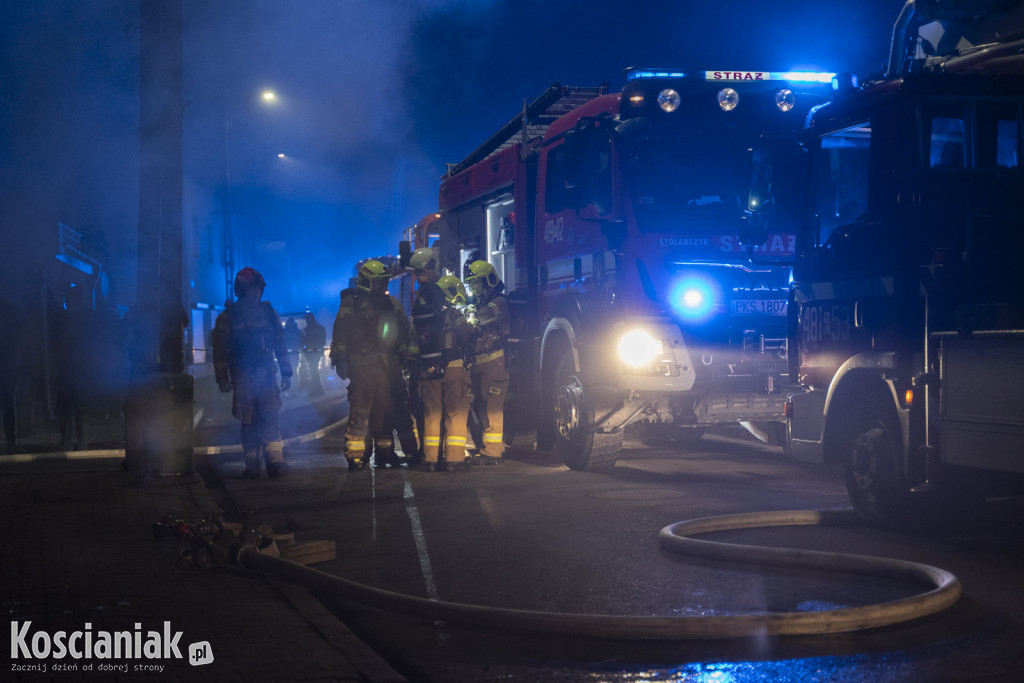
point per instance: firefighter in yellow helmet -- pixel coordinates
(491, 321)
(440, 339)
(247, 338)
(370, 340)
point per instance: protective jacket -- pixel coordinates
(248, 339)
(441, 333)
(369, 324)
(491, 319)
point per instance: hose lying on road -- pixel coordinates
(198, 450)
(292, 441)
(945, 590)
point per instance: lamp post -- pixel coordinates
(158, 410)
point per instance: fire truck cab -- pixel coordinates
(907, 316)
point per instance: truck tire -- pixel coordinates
(875, 481)
(579, 446)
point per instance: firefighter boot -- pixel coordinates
(276, 466)
(252, 465)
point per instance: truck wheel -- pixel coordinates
(575, 441)
(874, 471)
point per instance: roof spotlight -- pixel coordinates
(728, 99)
(668, 100)
(785, 100)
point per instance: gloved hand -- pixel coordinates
(225, 385)
(341, 367)
(286, 382)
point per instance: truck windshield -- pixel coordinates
(686, 184)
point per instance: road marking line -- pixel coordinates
(421, 542)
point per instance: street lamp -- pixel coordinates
(268, 97)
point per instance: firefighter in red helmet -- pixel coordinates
(247, 338)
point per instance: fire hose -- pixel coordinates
(943, 589)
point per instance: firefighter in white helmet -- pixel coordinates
(247, 338)
(491, 321)
(440, 339)
(369, 341)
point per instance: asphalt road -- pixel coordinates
(533, 535)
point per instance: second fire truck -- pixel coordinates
(907, 320)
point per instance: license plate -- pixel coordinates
(759, 307)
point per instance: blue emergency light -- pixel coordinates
(721, 75)
(693, 297)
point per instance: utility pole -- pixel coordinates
(158, 429)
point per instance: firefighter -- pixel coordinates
(247, 338)
(370, 341)
(454, 291)
(293, 342)
(314, 338)
(440, 335)
(490, 319)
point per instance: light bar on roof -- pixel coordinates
(791, 76)
(804, 76)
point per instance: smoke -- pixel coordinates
(68, 132)
(373, 98)
(352, 175)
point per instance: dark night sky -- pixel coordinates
(375, 96)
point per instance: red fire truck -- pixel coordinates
(615, 221)
(907, 317)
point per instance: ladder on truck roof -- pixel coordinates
(532, 121)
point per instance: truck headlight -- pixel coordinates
(638, 348)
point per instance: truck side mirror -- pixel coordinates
(404, 254)
(631, 129)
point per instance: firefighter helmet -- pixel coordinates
(246, 278)
(453, 290)
(424, 258)
(481, 275)
(371, 271)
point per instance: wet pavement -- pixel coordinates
(81, 569)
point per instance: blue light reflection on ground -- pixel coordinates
(873, 668)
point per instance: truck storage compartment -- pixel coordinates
(982, 401)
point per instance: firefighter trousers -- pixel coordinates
(256, 403)
(369, 402)
(446, 403)
(490, 386)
